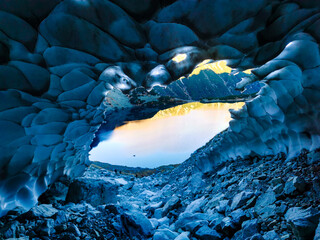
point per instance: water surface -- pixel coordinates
(167, 138)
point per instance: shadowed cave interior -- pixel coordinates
(73, 69)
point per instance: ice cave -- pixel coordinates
(79, 78)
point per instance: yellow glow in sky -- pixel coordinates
(180, 57)
(218, 67)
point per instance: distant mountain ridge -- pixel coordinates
(207, 84)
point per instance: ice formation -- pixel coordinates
(64, 64)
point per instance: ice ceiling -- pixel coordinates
(67, 66)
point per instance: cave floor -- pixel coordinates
(256, 198)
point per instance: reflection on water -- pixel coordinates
(167, 138)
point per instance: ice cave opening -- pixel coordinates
(169, 137)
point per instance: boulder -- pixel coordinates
(303, 222)
(317, 234)
(294, 186)
(183, 236)
(173, 203)
(264, 205)
(136, 224)
(46, 228)
(164, 234)
(228, 227)
(41, 211)
(196, 205)
(206, 233)
(240, 199)
(250, 228)
(186, 217)
(93, 191)
(271, 235)
(192, 226)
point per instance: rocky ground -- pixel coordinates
(249, 199)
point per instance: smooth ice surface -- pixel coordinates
(167, 138)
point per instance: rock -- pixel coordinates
(186, 217)
(9, 230)
(278, 189)
(257, 236)
(196, 205)
(158, 213)
(57, 191)
(165, 221)
(164, 234)
(183, 236)
(228, 227)
(240, 199)
(317, 234)
(303, 222)
(264, 205)
(271, 235)
(238, 216)
(60, 218)
(41, 211)
(221, 208)
(173, 203)
(74, 230)
(93, 191)
(206, 233)
(276, 181)
(135, 223)
(46, 228)
(249, 229)
(192, 226)
(294, 185)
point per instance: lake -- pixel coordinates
(169, 137)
